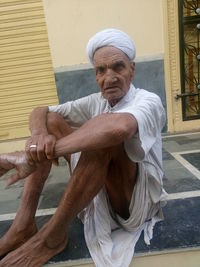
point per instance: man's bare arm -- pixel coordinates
(38, 121)
(39, 136)
(105, 130)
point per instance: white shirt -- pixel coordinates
(111, 241)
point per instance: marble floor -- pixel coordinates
(181, 227)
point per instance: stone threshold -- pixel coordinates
(186, 257)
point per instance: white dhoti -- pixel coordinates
(110, 239)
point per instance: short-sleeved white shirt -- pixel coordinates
(145, 106)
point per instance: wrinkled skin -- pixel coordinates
(114, 72)
(16, 160)
(34, 253)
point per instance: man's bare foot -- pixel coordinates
(35, 252)
(15, 237)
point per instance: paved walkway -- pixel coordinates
(181, 160)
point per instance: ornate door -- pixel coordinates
(182, 64)
(189, 30)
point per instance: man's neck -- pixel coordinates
(114, 102)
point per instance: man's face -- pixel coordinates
(114, 73)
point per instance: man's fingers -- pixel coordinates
(40, 152)
(13, 179)
(29, 158)
(28, 155)
(40, 148)
(18, 161)
(33, 152)
(5, 163)
(34, 145)
(49, 149)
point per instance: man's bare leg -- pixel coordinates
(24, 225)
(120, 181)
(86, 181)
(88, 178)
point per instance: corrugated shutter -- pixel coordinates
(26, 73)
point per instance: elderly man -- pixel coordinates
(112, 141)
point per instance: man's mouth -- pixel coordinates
(111, 88)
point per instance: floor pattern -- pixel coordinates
(180, 229)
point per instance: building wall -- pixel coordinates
(71, 23)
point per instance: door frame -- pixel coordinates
(172, 71)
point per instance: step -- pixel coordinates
(173, 258)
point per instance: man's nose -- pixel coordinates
(110, 76)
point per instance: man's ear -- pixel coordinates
(132, 70)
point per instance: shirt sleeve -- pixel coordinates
(150, 115)
(76, 113)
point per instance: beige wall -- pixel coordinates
(71, 23)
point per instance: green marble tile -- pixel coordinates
(193, 158)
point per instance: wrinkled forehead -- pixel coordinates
(108, 55)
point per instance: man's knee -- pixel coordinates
(52, 120)
(56, 125)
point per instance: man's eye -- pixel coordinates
(118, 67)
(100, 70)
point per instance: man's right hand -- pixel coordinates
(18, 161)
(40, 147)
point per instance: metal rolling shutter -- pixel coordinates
(26, 73)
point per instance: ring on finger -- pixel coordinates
(33, 146)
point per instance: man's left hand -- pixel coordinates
(40, 148)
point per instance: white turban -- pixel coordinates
(111, 37)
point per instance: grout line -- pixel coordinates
(185, 163)
(177, 135)
(45, 212)
(187, 151)
(40, 212)
(183, 195)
